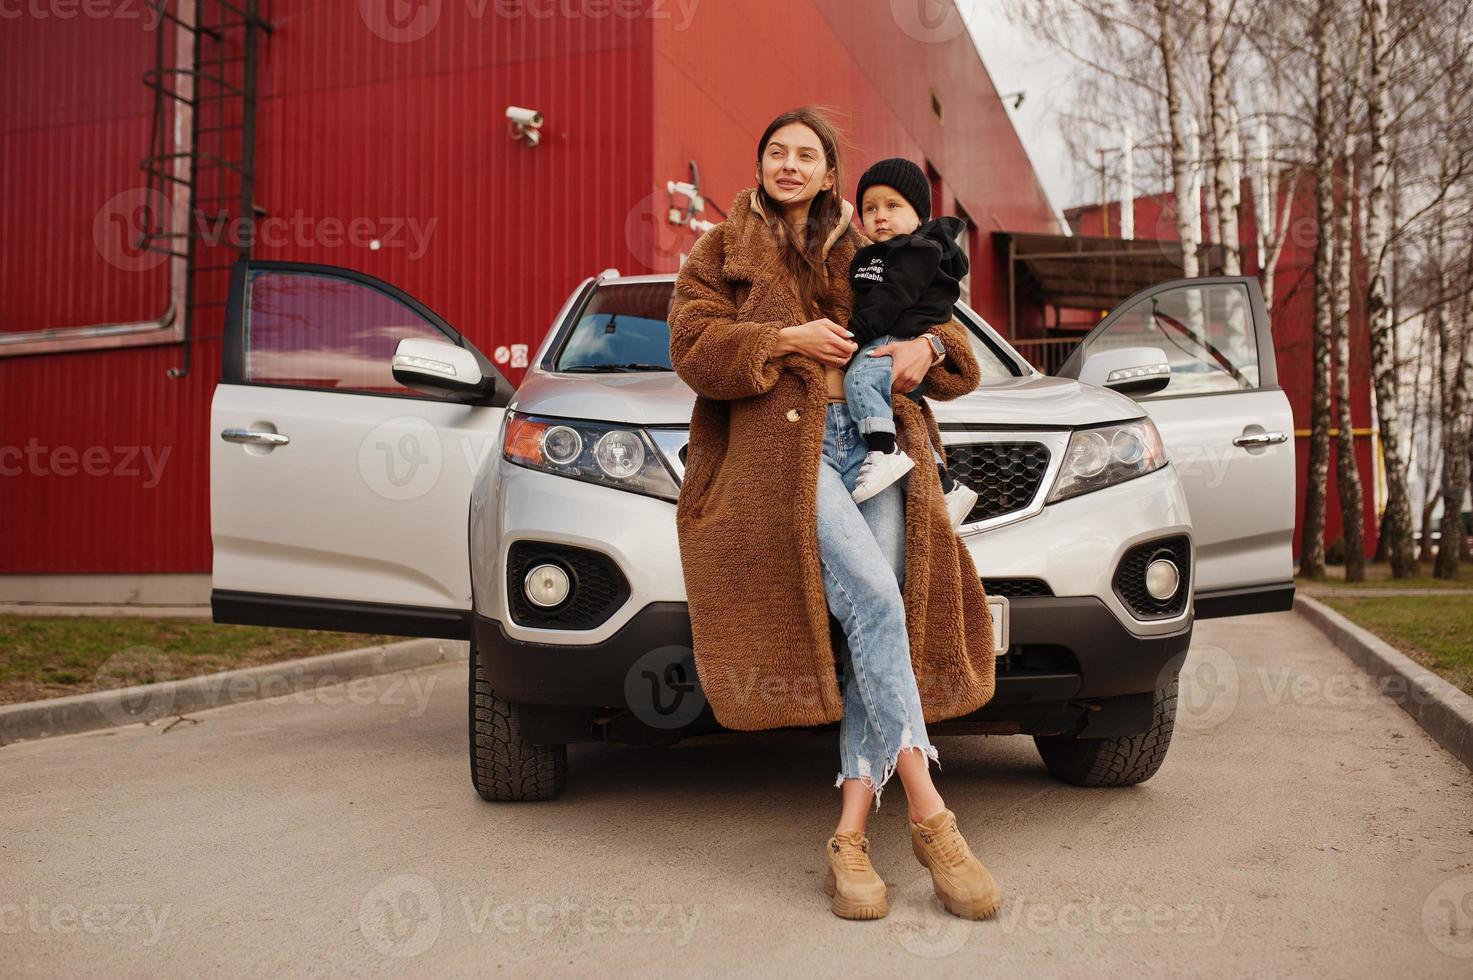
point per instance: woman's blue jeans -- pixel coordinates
(862, 549)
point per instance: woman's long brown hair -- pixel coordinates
(801, 247)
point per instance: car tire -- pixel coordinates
(1123, 761)
(505, 767)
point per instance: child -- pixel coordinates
(904, 284)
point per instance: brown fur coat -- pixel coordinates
(747, 514)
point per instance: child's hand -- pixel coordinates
(912, 360)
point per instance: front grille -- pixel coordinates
(598, 588)
(1005, 475)
(1016, 588)
(1130, 578)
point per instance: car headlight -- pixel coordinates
(1107, 455)
(619, 456)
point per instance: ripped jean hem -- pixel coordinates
(928, 749)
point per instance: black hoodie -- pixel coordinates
(908, 284)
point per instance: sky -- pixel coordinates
(1018, 61)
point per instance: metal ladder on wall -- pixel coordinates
(201, 158)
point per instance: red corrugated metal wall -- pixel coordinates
(408, 135)
(393, 116)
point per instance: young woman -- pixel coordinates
(772, 541)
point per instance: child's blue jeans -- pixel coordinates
(867, 382)
(862, 550)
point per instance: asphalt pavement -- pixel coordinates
(1301, 825)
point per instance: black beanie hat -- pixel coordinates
(905, 177)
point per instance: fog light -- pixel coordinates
(1162, 579)
(546, 585)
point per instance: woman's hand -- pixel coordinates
(822, 339)
(912, 360)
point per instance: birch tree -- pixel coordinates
(1312, 526)
(1397, 527)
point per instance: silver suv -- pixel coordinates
(375, 472)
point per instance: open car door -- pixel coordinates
(339, 495)
(1225, 422)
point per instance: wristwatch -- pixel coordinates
(937, 346)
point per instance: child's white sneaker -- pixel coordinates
(959, 503)
(878, 471)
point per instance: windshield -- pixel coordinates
(994, 364)
(622, 328)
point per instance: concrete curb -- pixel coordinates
(1442, 710)
(149, 702)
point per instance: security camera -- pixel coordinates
(524, 117)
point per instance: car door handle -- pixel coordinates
(251, 437)
(1261, 439)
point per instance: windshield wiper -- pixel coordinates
(601, 368)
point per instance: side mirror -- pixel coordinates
(1128, 370)
(438, 367)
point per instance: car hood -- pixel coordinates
(661, 398)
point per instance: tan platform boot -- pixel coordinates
(857, 891)
(961, 881)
